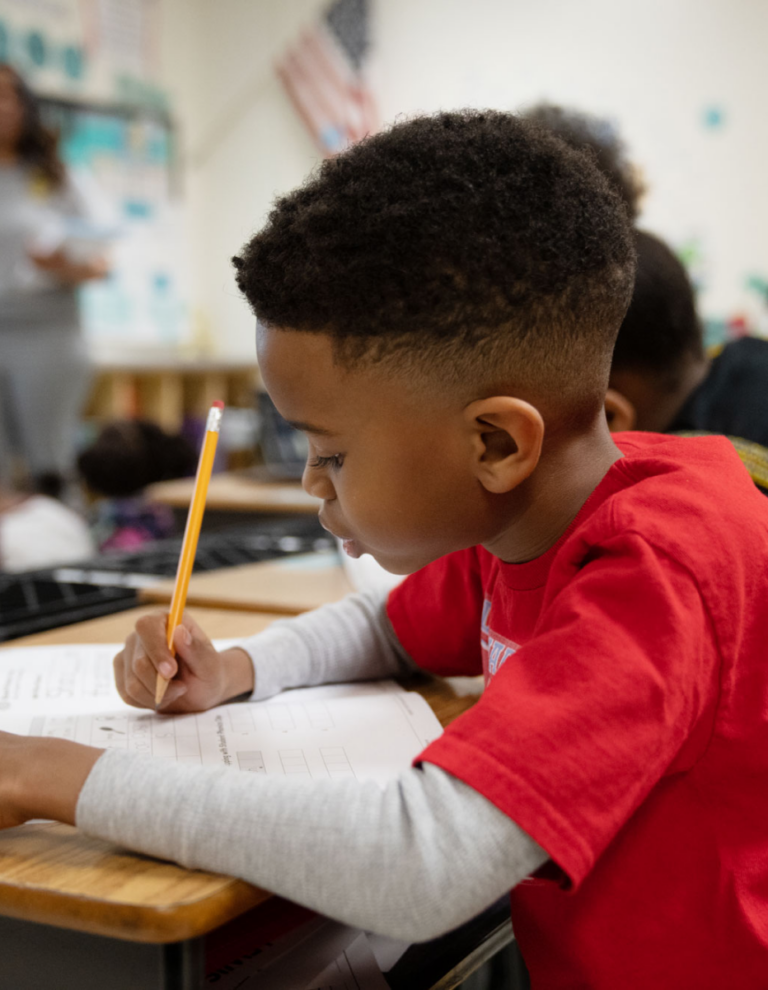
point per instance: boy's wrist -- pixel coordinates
(49, 776)
(239, 673)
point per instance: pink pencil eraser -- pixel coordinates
(217, 404)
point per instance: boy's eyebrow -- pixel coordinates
(308, 428)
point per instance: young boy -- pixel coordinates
(437, 310)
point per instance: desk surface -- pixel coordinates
(52, 874)
(218, 623)
(290, 586)
(237, 493)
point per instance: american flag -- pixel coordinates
(323, 74)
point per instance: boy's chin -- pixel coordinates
(399, 565)
(358, 558)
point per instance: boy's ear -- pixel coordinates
(619, 412)
(507, 434)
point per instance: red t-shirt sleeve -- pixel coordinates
(436, 615)
(578, 726)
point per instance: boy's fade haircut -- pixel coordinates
(470, 249)
(661, 335)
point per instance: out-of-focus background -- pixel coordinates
(177, 108)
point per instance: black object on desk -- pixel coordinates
(34, 601)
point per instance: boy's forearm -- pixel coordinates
(48, 776)
(410, 861)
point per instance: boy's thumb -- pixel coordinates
(190, 642)
(182, 641)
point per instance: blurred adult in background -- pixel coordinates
(44, 372)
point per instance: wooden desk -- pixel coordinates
(290, 586)
(218, 623)
(237, 493)
(81, 912)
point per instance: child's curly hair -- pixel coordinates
(470, 245)
(598, 138)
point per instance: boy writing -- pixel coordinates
(437, 312)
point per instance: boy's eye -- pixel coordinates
(334, 461)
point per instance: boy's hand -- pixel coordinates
(200, 677)
(41, 778)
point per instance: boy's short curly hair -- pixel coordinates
(472, 246)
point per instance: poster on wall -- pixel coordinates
(127, 155)
(95, 50)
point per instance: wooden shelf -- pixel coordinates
(167, 392)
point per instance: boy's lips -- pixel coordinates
(350, 546)
(351, 549)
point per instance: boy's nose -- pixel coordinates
(315, 482)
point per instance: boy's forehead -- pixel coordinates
(292, 359)
(300, 374)
(309, 387)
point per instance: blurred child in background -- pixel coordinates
(125, 458)
(39, 531)
(662, 379)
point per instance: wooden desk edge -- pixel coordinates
(130, 922)
(155, 596)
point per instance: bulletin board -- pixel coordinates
(94, 65)
(129, 154)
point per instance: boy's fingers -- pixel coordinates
(195, 631)
(173, 693)
(125, 687)
(191, 643)
(143, 669)
(151, 642)
(182, 640)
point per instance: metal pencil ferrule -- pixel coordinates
(213, 423)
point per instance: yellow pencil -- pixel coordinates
(192, 533)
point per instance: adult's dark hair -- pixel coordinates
(600, 140)
(661, 332)
(127, 456)
(469, 246)
(38, 145)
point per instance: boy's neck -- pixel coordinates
(548, 502)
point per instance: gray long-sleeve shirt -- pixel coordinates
(411, 861)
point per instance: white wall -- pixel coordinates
(654, 67)
(241, 141)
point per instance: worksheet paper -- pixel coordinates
(367, 731)
(80, 679)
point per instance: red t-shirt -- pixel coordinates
(624, 723)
